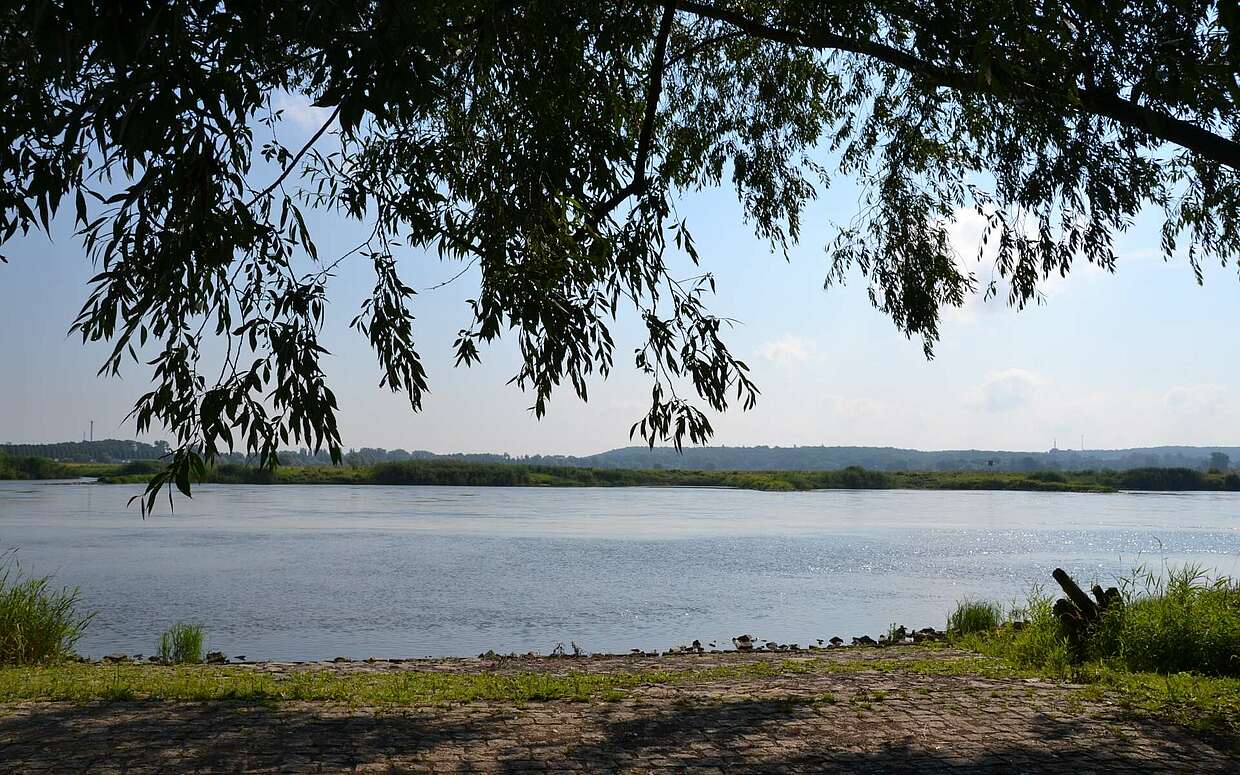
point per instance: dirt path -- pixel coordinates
(854, 721)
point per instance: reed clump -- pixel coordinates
(39, 623)
(974, 616)
(181, 644)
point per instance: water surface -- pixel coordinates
(295, 572)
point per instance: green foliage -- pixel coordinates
(38, 623)
(1048, 476)
(140, 468)
(1167, 479)
(547, 144)
(1184, 622)
(181, 645)
(973, 616)
(424, 472)
(33, 468)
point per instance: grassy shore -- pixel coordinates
(86, 682)
(1201, 702)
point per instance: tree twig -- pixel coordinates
(297, 158)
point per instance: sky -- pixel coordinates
(1140, 358)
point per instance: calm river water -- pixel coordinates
(310, 572)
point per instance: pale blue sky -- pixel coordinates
(1140, 358)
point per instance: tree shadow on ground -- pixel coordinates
(749, 735)
(226, 737)
(774, 736)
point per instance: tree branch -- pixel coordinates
(654, 90)
(288, 169)
(1155, 123)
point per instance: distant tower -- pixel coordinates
(92, 430)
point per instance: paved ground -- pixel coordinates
(819, 722)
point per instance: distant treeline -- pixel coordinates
(31, 467)
(754, 459)
(466, 474)
(104, 451)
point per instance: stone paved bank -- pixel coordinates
(859, 721)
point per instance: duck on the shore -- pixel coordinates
(864, 640)
(743, 642)
(835, 642)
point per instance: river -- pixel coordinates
(312, 572)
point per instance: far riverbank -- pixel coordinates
(468, 474)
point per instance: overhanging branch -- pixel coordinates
(1129, 113)
(654, 91)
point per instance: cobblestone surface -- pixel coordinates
(819, 722)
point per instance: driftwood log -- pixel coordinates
(1086, 609)
(1077, 612)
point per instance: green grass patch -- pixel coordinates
(39, 624)
(82, 682)
(973, 616)
(181, 644)
(1207, 703)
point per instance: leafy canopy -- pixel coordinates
(547, 143)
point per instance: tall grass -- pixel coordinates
(39, 624)
(181, 645)
(973, 616)
(1183, 620)
(1186, 621)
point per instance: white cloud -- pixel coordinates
(786, 350)
(298, 110)
(1004, 391)
(965, 232)
(1192, 400)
